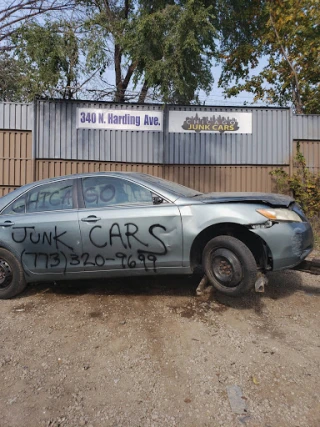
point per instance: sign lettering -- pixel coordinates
(89, 118)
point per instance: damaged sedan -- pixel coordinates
(112, 224)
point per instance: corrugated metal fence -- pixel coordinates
(268, 144)
(306, 132)
(57, 136)
(306, 127)
(208, 161)
(16, 163)
(16, 116)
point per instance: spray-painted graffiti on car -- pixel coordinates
(136, 252)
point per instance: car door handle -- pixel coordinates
(6, 224)
(91, 218)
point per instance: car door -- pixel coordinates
(42, 228)
(122, 228)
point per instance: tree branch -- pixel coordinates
(296, 93)
(117, 69)
(23, 10)
(143, 92)
(128, 76)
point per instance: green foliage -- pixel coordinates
(166, 48)
(10, 89)
(303, 184)
(173, 47)
(15, 13)
(287, 33)
(166, 45)
(47, 57)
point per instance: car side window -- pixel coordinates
(47, 197)
(50, 197)
(17, 207)
(103, 191)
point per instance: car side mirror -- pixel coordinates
(157, 200)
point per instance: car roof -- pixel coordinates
(140, 178)
(88, 174)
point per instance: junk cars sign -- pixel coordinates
(89, 118)
(210, 122)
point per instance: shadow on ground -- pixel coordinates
(281, 285)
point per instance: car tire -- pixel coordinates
(12, 280)
(229, 265)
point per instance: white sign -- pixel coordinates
(90, 118)
(210, 122)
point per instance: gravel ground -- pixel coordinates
(148, 352)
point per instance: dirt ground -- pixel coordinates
(148, 352)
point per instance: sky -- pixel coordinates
(215, 97)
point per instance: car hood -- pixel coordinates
(275, 200)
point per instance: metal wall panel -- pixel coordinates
(52, 168)
(223, 178)
(200, 177)
(268, 144)
(57, 135)
(311, 153)
(16, 164)
(16, 116)
(5, 190)
(306, 127)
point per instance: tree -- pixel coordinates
(166, 46)
(287, 34)
(9, 84)
(13, 13)
(47, 61)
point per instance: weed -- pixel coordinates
(304, 187)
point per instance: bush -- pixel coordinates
(303, 185)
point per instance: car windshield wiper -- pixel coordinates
(197, 195)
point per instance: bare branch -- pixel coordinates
(87, 80)
(20, 11)
(126, 9)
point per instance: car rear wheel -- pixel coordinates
(12, 280)
(229, 265)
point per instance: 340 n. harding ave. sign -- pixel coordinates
(92, 118)
(210, 122)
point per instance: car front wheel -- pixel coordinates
(12, 280)
(229, 265)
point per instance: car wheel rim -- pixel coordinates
(226, 267)
(5, 274)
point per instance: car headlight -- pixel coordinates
(280, 215)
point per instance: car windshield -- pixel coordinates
(172, 187)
